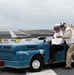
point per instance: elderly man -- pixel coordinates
(69, 38)
(56, 44)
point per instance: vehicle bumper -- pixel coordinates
(16, 64)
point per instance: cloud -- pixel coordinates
(35, 14)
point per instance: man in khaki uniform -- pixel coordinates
(69, 38)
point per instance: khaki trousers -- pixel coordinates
(70, 52)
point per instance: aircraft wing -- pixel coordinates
(19, 35)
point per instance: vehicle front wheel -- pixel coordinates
(36, 64)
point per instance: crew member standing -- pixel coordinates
(69, 37)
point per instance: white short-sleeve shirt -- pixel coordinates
(57, 41)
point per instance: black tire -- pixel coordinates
(39, 61)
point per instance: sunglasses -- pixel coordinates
(56, 28)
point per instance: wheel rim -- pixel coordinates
(35, 64)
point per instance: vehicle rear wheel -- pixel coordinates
(36, 64)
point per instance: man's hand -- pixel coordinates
(59, 36)
(49, 41)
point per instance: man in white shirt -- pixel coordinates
(56, 43)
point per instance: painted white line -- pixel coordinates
(44, 72)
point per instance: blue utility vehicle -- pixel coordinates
(29, 54)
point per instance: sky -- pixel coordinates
(35, 14)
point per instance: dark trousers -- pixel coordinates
(54, 49)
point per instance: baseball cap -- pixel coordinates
(57, 25)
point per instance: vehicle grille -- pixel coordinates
(6, 55)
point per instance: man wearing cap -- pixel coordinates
(69, 38)
(56, 44)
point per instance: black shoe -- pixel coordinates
(67, 68)
(51, 60)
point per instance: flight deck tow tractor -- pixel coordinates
(28, 54)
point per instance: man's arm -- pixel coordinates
(68, 34)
